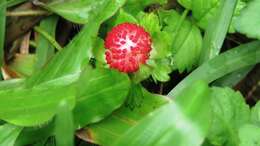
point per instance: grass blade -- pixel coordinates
(232, 60)
(44, 48)
(64, 128)
(234, 78)
(8, 134)
(217, 30)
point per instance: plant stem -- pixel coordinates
(27, 13)
(48, 37)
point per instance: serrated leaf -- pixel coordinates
(186, 46)
(8, 134)
(150, 22)
(249, 135)
(255, 114)
(204, 10)
(230, 112)
(248, 21)
(99, 92)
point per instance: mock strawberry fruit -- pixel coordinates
(127, 47)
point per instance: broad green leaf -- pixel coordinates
(64, 128)
(248, 21)
(216, 30)
(99, 92)
(135, 6)
(186, 46)
(78, 52)
(230, 112)
(184, 122)
(2, 29)
(23, 64)
(249, 135)
(44, 49)
(242, 56)
(35, 106)
(8, 134)
(81, 11)
(121, 120)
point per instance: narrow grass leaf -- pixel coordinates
(217, 30)
(183, 124)
(242, 56)
(64, 128)
(45, 50)
(8, 134)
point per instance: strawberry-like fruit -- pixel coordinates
(127, 46)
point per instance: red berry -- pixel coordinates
(127, 47)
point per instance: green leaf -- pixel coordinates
(31, 135)
(249, 135)
(23, 64)
(11, 84)
(233, 78)
(150, 22)
(255, 114)
(242, 56)
(35, 106)
(122, 17)
(205, 10)
(120, 121)
(81, 11)
(230, 112)
(248, 21)
(99, 92)
(45, 50)
(135, 6)
(185, 122)
(78, 52)
(64, 128)
(159, 64)
(2, 29)
(216, 30)
(8, 134)
(186, 46)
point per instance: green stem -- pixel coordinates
(27, 13)
(48, 37)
